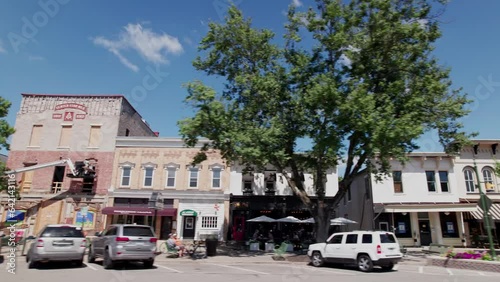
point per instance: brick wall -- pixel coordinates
(42, 178)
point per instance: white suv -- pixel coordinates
(362, 248)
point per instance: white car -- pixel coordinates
(362, 248)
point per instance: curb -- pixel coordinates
(481, 265)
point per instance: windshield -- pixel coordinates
(387, 238)
(71, 232)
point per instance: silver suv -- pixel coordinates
(57, 242)
(124, 242)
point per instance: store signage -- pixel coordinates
(68, 115)
(188, 213)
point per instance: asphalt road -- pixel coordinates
(206, 271)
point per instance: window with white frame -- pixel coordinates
(431, 180)
(171, 171)
(126, 175)
(397, 181)
(488, 179)
(469, 180)
(193, 177)
(443, 181)
(209, 222)
(216, 176)
(148, 176)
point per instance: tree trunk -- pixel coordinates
(321, 221)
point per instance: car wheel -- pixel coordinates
(317, 259)
(107, 263)
(148, 263)
(91, 255)
(31, 263)
(388, 267)
(365, 264)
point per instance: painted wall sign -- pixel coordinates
(75, 106)
(68, 116)
(188, 213)
(57, 116)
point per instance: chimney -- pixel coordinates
(156, 133)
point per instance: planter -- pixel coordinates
(289, 248)
(254, 246)
(269, 247)
(472, 264)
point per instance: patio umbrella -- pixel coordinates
(289, 219)
(309, 220)
(262, 218)
(341, 221)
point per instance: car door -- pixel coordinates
(100, 241)
(348, 250)
(332, 248)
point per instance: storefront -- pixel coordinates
(198, 219)
(136, 211)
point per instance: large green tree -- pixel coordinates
(5, 131)
(357, 80)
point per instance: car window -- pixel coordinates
(137, 231)
(337, 239)
(387, 238)
(351, 239)
(111, 232)
(69, 232)
(367, 239)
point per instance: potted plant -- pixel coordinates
(270, 246)
(289, 246)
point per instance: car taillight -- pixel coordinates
(153, 240)
(39, 243)
(122, 239)
(84, 243)
(379, 249)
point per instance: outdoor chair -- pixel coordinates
(172, 252)
(281, 250)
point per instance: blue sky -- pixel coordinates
(99, 47)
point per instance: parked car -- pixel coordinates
(57, 242)
(362, 248)
(124, 242)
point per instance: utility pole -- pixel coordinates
(486, 216)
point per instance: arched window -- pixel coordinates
(489, 182)
(469, 180)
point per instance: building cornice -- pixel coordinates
(155, 142)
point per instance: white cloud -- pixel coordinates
(36, 58)
(153, 47)
(296, 3)
(188, 40)
(2, 50)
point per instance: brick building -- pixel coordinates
(78, 127)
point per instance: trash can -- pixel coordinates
(211, 246)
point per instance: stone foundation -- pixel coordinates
(479, 265)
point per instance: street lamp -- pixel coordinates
(485, 206)
(155, 203)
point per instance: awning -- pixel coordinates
(494, 212)
(139, 211)
(430, 208)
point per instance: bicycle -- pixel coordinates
(197, 250)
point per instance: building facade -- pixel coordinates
(195, 198)
(76, 127)
(433, 198)
(266, 192)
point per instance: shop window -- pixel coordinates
(431, 181)
(402, 225)
(397, 182)
(209, 222)
(443, 181)
(449, 227)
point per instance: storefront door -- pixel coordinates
(188, 229)
(425, 232)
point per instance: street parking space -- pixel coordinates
(208, 270)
